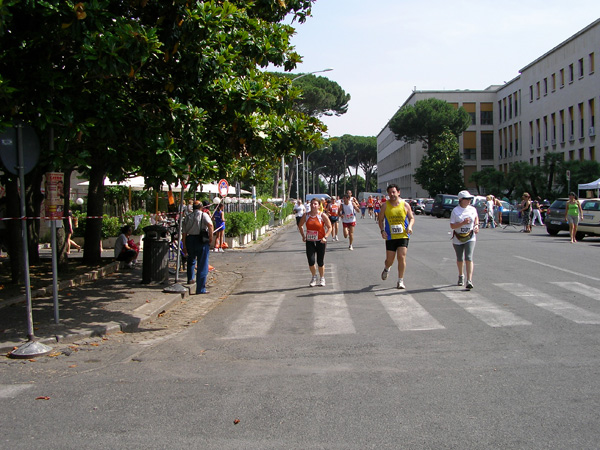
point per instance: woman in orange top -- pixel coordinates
(333, 210)
(318, 227)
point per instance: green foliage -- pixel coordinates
(240, 223)
(129, 220)
(427, 119)
(441, 168)
(263, 217)
(320, 96)
(160, 89)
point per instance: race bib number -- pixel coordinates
(349, 216)
(465, 230)
(312, 235)
(397, 229)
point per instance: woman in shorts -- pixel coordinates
(573, 213)
(464, 222)
(318, 227)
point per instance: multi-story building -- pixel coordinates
(550, 107)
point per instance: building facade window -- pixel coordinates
(580, 65)
(591, 62)
(487, 145)
(486, 113)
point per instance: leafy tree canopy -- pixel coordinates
(441, 168)
(320, 96)
(427, 119)
(161, 89)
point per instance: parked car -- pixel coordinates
(555, 217)
(443, 205)
(428, 206)
(590, 225)
(309, 197)
(508, 210)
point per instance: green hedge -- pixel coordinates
(240, 223)
(111, 226)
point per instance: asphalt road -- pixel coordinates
(357, 364)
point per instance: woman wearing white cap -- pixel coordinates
(464, 221)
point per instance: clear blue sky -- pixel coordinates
(381, 49)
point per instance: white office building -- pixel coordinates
(550, 107)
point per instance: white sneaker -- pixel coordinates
(469, 285)
(350, 247)
(384, 274)
(400, 284)
(313, 282)
(461, 280)
(221, 250)
(322, 281)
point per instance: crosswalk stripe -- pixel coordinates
(256, 319)
(549, 303)
(331, 314)
(485, 310)
(406, 312)
(579, 288)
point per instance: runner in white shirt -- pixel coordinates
(348, 213)
(464, 221)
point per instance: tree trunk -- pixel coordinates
(291, 171)
(93, 227)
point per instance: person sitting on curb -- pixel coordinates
(123, 252)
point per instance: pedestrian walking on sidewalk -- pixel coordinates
(573, 213)
(464, 222)
(197, 231)
(318, 227)
(396, 222)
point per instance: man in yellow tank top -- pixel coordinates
(395, 222)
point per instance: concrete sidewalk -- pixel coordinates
(113, 300)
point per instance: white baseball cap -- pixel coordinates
(464, 194)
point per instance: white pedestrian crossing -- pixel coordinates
(551, 304)
(256, 319)
(331, 308)
(406, 312)
(579, 288)
(484, 310)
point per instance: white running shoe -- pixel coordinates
(400, 284)
(461, 280)
(384, 274)
(469, 285)
(221, 250)
(322, 281)
(313, 281)
(350, 247)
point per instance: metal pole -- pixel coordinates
(54, 270)
(21, 170)
(297, 185)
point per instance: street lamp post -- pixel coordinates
(305, 161)
(311, 73)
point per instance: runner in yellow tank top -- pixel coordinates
(395, 222)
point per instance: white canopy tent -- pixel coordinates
(594, 185)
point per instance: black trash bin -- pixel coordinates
(156, 254)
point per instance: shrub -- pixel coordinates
(263, 216)
(240, 223)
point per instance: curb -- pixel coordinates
(140, 316)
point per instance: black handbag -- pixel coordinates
(204, 238)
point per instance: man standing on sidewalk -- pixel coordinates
(396, 221)
(197, 234)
